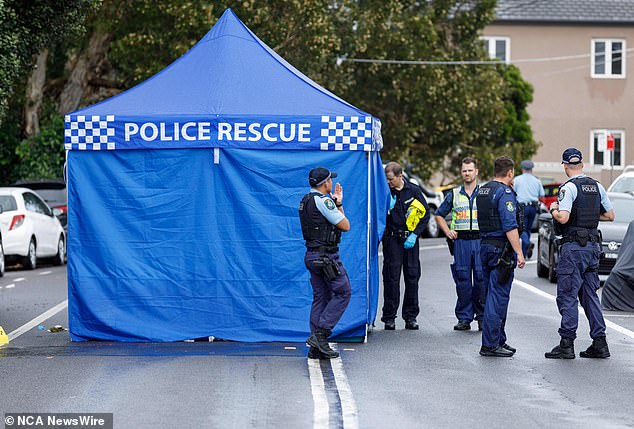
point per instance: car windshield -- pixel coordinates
(53, 197)
(624, 184)
(623, 210)
(551, 191)
(7, 202)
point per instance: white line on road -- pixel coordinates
(608, 323)
(43, 273)
(11, 286)
(348, 405)
(321, 410)
(19, 279)
(39, 319)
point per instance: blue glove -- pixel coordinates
(411, 240)
(392, 201)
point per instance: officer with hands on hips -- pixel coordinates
(406, 220)
(322, 219)
(500, 252)
(466, 268)
(582, 202)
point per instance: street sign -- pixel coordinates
(609, 142)
(602, 140)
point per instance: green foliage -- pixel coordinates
(42, 156)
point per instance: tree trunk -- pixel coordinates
(34, 93)
(86, 66)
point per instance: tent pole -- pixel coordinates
(367, 250)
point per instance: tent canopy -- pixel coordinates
(204, 238)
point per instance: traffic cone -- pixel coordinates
(4, 339)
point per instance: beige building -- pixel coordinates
(575, 53)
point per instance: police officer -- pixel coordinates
(406, 220)
(500, 252)
(465, 235)
(322, 218)
(528, 188)
(581, 203)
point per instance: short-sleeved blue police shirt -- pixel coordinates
(327, 207)
(568, 194)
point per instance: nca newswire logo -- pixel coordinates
(58, 420)
(324, 132)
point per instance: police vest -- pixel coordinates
(316, 229)
(489, 217)
(586, 208)
(464, 216)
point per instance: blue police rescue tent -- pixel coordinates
(184, 194)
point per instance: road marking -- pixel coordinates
(11, 286)
(440, 246)
(530, 262)
(608, 323)
(19, 279)
(39, 319)
(43, 273)
(334, 405)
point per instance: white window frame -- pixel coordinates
(607, 157)
(608, 59)
(491, 40)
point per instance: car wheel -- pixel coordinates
(59, 258)
(432, 230)
(552, 271)
(542, 270)
(1, 259)
(30, 261)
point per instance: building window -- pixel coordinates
(498, 47)
(607, 158)
(607, 58)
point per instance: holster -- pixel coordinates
(329, 267)
(505, 264)
(450, 244)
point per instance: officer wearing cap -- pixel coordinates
(322, 218)
(500, 252)
(582, 202)
(528, 188)
(400, 247)
(465, 235)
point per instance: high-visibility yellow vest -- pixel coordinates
(463, 218)
(415, 212)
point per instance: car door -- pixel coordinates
(43, 226)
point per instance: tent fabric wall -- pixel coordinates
(157, 253)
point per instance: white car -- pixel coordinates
(625, 182)
(29, 229)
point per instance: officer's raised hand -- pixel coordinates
(337, 195)
(411, 240)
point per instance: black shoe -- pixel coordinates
(411, 324)
(319, 340)
(496, 352)
(597, 350)
(509, 348)
(390, 325)
(529, 252)
(314, 353)
(565, 350)
(462, 326)
(479, 325)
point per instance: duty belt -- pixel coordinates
(468, 235)
(324, 249)
(398, 234)
(581, 238)
(497, 242)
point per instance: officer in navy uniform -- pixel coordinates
(322, 218)
(582, 202)
(500, 252)
(400, 249)
(465, 235)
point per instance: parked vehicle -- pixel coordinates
(29, 228)
(53, 192)
(612, 234)
(1, 249)
(551, 192)
(625, 182)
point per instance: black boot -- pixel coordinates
(598, 349)
(565, 350)
(319, 340)
(314, 353)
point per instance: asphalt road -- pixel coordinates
(431, 378)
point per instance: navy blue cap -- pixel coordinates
(571, 156)
(319, 175)
(527, 164)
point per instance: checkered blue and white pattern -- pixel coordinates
(89, 132)
(347, 133)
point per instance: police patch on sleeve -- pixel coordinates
(510, 207)
(562, 193)
(508, 191)
(330, 205)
